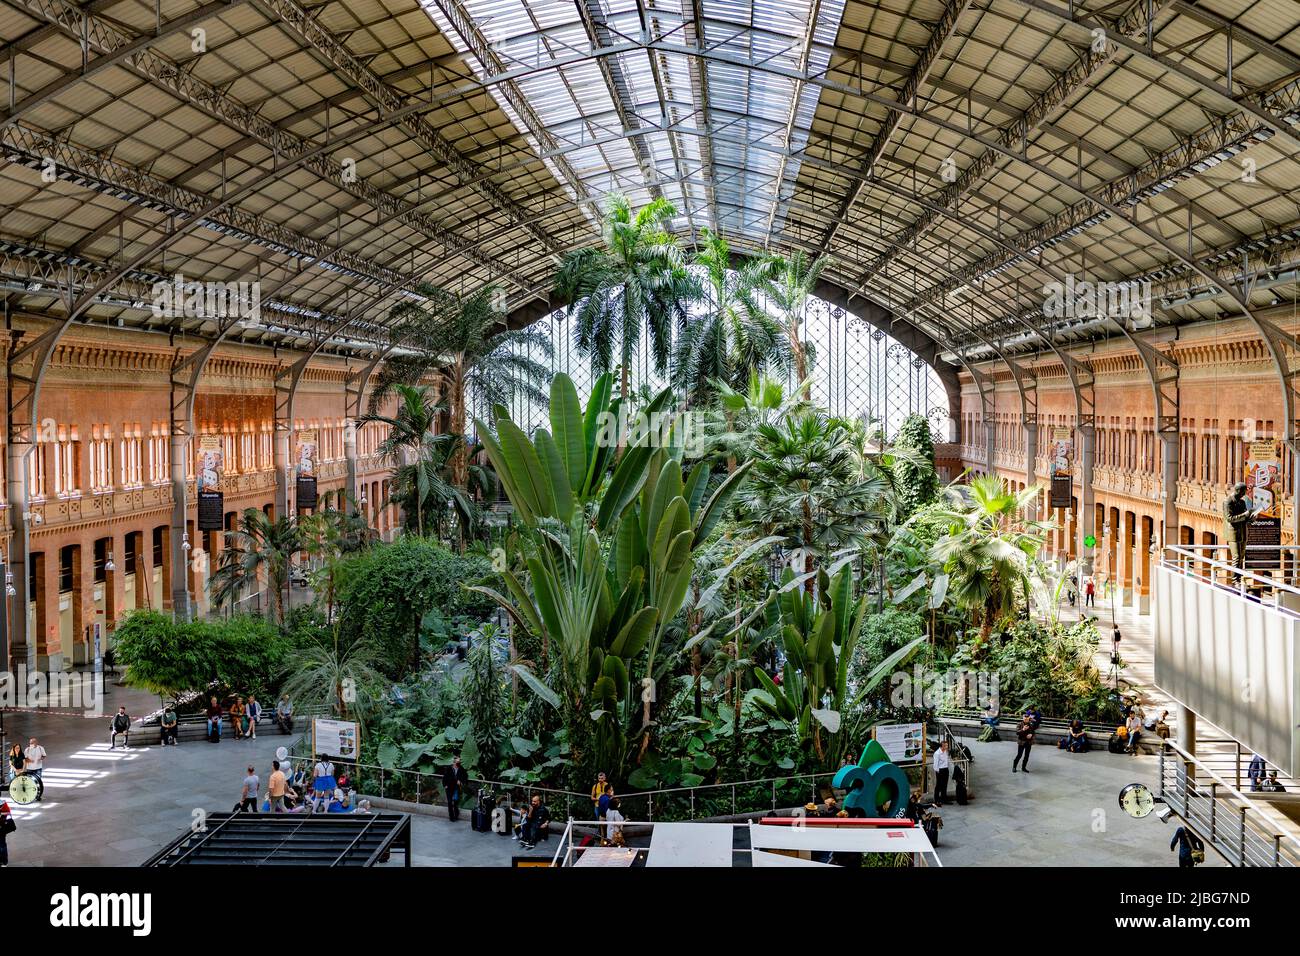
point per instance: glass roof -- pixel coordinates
(581, 112)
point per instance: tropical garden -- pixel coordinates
(716, 583)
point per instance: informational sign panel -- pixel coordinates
(308, 445)
(336, 738)
(1263, 484)
(1062, 473)
(904, 743)
(208, 471)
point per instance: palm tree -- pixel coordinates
(808, 485)
(325, 673)
(988, 547)
(326, 537)
(479, 363)
(734, 336)
(788, 287)
(259, 547)
(412, 436)
(637, 278)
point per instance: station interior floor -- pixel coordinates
(116, 808)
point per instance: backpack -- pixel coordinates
(1116, 743)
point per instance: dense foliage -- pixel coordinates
(385, 592)
(718, 582)
(244, 654)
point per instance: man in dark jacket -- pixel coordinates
(453, 778)
(1024, 743)
(535, 822)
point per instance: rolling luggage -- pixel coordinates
(479, 820)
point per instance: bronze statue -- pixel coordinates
(1237, 515)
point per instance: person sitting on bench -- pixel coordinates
(1076, 740)
(169, 725)
(214, 720)
(121, 725)
(536, 823)
(284, 715)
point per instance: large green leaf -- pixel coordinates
(566, 419)
(635, 633)
(557, 478)
(505, 473)
(623, 487)
(713, 509)
(536, 685)
(526, 468)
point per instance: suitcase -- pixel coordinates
(479, 820)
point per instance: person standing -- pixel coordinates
(1255, 772)
(1024, 743)
(17, 760)
(598, 791)
(942, 767)
(1187, 842)
(35, 765)
(248, 796)
(275, 787)
(121, 724)
(1089, 593)
(453, 778)
(7, 826)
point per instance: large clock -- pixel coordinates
(1137, 800)
(23, 789)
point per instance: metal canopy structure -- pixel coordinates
(951, 157)
(285, 839)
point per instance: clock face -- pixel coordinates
(1137, 800)
(22, 789)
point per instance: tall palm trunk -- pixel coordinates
(456, 401)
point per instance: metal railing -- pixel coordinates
(1197, 561)
(667, 804)
(1231, 761)
(1221, 815)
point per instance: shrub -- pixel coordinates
(385, 591)
(917, 484)
(244, 653)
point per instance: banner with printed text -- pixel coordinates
(208, 473)
(1263, 487)
(1061, 454)
(308, 444)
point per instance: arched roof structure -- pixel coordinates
(950, 157)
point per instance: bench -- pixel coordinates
(195, 726)
(1050, 728)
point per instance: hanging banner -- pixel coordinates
(1061, 453)
(1263, 485)
(308, 443)
(211, 464)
